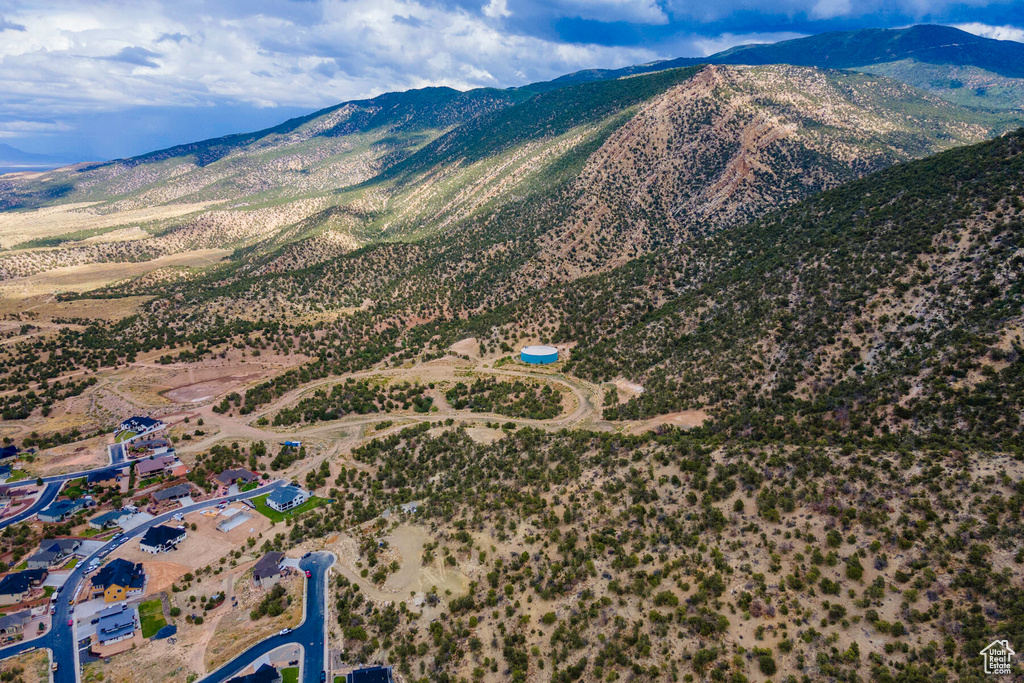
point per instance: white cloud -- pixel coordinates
(998, 32)
(112, 56)
(497, 9)
(829, 9)
(706, 46)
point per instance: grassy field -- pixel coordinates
(274, 516)
(18, 475)
(290, 675)
(72, 564)
(122, 436)
(151, 614)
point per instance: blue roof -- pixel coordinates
(63, 507)
(114, 622)
(370, 674)
(285, 494)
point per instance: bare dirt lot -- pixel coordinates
(201, 547)
(34, 667)
(225, 631)
(413, 578)
(81, 455)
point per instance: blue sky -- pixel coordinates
(102, 79)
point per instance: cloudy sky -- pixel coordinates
(100, 79)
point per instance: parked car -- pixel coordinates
(306, 555)
(309, 574)
(284, 632)
(71, 622)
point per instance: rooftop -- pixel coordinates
(173, 492)
(285, 494)
(159, 535)
(117, 573)
(269, 565)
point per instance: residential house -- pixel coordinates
(267, 571)
(140, 425)
(14, 624)
(15, 587)
(287, 498)
(144, 447)
(236, 476)
(370, 674)
(108, 519)
(60, 510)
(118, 580)
(161, 539)
(161, 464)
(104, 477)
(115, 624)
(178, 492)
(8, 453)
(264, 674)
(53, 552)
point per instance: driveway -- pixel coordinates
(60, 639)
(310, 634)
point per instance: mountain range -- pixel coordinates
(436, 214)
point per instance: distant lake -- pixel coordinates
(17, 167)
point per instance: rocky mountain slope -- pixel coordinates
(956, 65)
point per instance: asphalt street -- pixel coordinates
(309, 634)
(60, 638)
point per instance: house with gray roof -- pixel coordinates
(53, 552)
(287, 498)
(267, 571)
(236, 476)
(116, 623)
(108, 519)
(173, 493)
(60, 510)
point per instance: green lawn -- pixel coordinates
(22, 567)
(151, 614)
(248, 487)
(72, 564)
(18, 475)
(274, 516)
(290, 675)
(121, 436)
(49, 590)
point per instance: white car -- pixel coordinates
(284, 632)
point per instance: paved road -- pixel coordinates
(310, 634)
(49, 494)
(60, 638)
(51, 487)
